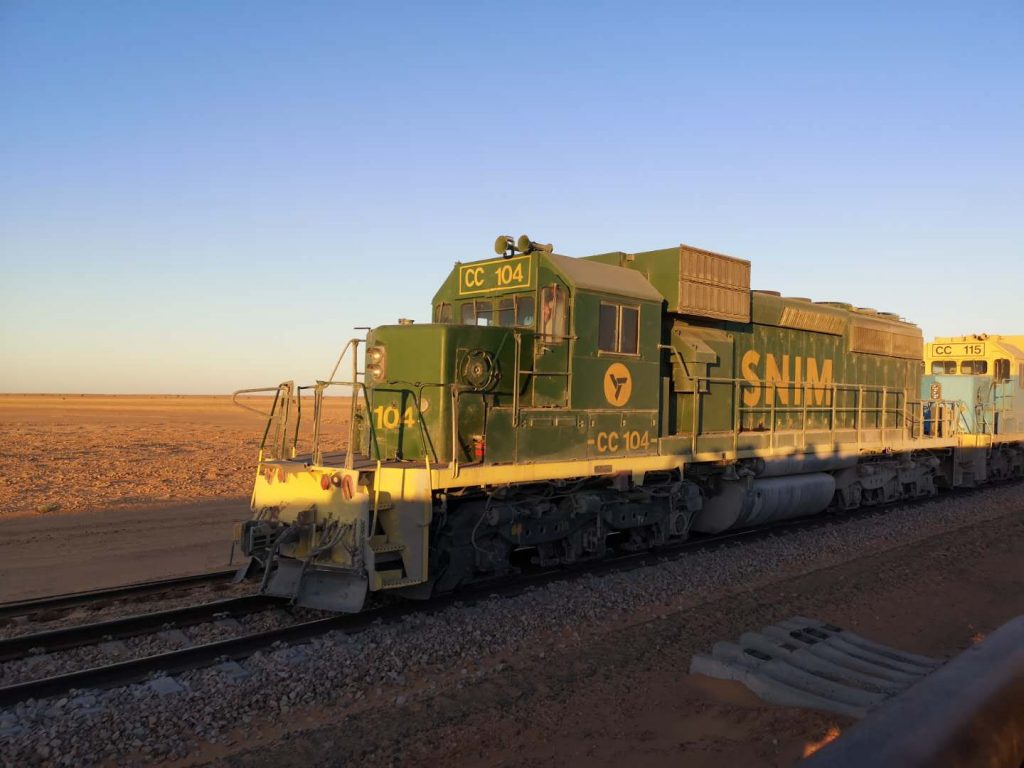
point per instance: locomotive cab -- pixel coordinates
(983, 374)
(537, 367)
(533, 358)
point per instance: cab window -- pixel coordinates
(1002, 370)
(524, 311)
(974, 366)
(506, 312)
(515, 310)
(944, 366)
(484, 313)
(443, 313)
(476, 313)
(552, 314)
(618, 329)
(608, 318)
(629, 330)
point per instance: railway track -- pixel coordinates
(198, 656)
(127, 627)
(99, 596)
(207, 654)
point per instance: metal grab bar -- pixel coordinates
(873, 407)
(517, 364)
(455, 431)
(254, 390)
(281, 433)
(356, 385)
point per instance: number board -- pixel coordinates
(496, 275)
(959, 349)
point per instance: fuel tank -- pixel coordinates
(747, 503)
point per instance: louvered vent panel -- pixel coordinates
(713, 285)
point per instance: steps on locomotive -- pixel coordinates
(388, 570)
(392, 579)
(380, 545)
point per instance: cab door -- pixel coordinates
(551, 351)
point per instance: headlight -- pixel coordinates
(375, 363)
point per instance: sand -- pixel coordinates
(100, 490)
(78, 453)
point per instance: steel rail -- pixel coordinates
(125, 627)
(73, 599)
(186, 659)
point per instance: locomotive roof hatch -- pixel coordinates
(604, 278)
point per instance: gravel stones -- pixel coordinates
(166, 686)
(232, 671)
(114, 648)
(174, 637)
(395, 665)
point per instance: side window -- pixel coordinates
(618, 329)
(1002, 370)
(1020, 375)
(443, 313)
(552, 314)
(607, 327)
(629, 331)
(524, 311)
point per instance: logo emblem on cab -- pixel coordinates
(618, 384)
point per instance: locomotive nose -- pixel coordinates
(413, 375)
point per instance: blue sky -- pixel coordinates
(202, 196)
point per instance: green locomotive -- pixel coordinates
(563, 404)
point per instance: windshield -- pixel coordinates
(507, 312)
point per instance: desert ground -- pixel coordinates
(100, 490)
